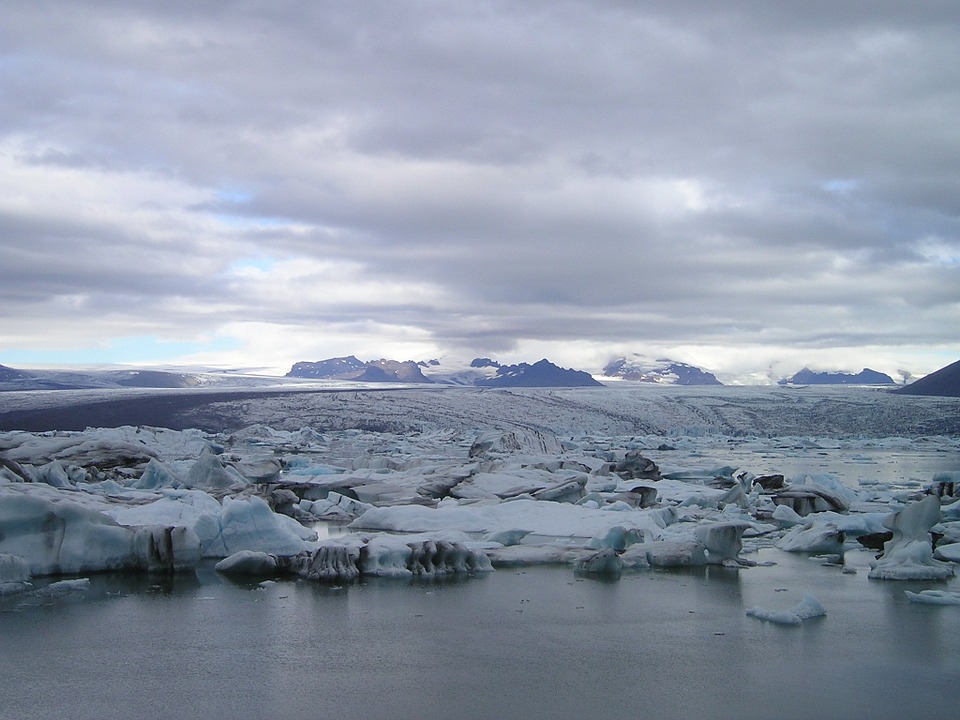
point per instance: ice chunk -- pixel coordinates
(56, 535)
(949, 552)
(908, 555)
(617, 538)
(811, 498)
(432, 556)
(786, 515)
(249, 562)
(208, 473)
(248, 523)
(62, 537)
(507, 537)
(813, 538)
(14, 574)
(675, 553)
(934, 597)
(164, 548)
(602, 562)
(328, 563)
(498, 442)
(807, 608)
(522, 555)
(722, 541)
(64, 587)
(156, 475)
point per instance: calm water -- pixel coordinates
(534, 643)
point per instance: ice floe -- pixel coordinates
(808, 607)
(450, 500)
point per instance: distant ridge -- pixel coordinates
(541, 374)
(944, 382)
(864, 377)
(350, 368)
(8, 373)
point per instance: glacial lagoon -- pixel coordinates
(531, 641)
(536, 642)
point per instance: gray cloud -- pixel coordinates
(490, 175)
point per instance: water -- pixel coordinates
(532, 643)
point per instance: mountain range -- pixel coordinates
(480, 372)
(864, 377)
(483, 372)
(350, 368)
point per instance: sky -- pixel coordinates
(751, 187)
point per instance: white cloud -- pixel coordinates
(752, 189)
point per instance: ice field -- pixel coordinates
(757, 516)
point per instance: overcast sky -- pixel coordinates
(748, 186)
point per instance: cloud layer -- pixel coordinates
(752, 186)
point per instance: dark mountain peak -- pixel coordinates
(9, 373)
(484, 362)
(542, 373)
(944, 382)
(806, 376)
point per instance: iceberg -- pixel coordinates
(908, 555)
(55, 536)
(250, 562)
(808, 607)
(934, 597)
(722, 542)
(822, 537)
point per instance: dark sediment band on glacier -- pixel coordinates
(173, 410)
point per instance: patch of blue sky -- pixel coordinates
(263, 263)
(250, 222)
(238, 197)
(126, 350)
(839, 186)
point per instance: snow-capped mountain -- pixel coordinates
(661, 371)
(541, 374)
(864, 377)
(350, 368)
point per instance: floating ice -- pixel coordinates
(674, 553)
(813, 538)
(934, 597)
(807, 608)
(249, 562)
(908, 555)
(722, 542)
(949, 552)
(602, 562)
(209, 473)
(56, 536)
